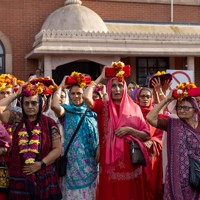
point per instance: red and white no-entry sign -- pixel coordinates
(180, 76)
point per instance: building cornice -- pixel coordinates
(62, 35)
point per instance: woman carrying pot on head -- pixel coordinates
(35, 146)
(183, 143)
(120, 121)
(80, 179)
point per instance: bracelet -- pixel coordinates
(104, 94)
(161, 93)
(94, 83)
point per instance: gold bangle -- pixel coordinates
(161, 93)
(94, 83)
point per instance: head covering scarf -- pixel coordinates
(129, 115)
(145, 110)
(172, 107)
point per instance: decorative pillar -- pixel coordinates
(47, 66)
(191, 64)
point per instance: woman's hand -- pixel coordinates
(63, 83)
(103, 73)
(157, 84)
(120, 132)
(166, 85)
(31, 168)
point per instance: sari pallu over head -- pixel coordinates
(129, 115)
(156, 134)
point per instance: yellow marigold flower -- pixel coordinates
(9, 86)
(120, 73)
(163, 72)
(34, 150)
(24, 151)
(34, 142)
(30, 161)
(9, 129)
(82, 85)
(2, 86)
(74, 73)
(35, 131)
(21, 142)
(39, 90)
(23, 133)
(158, 73)
(20, 82)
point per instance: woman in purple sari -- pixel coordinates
(183, 140)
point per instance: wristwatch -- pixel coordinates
(43, 164)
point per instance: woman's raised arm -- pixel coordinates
(87, 94)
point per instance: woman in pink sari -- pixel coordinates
(120, 121)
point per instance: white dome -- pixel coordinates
(73, 16)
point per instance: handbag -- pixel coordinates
(137, 157)
(62, 162)
(194, 170)
(194, 173)
(4, 177)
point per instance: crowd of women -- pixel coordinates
(39, 119)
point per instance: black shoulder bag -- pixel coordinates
(62, 162)
(194, 169)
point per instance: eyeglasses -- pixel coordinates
(145, 96)
(33, 103)
(185, 108)
(4, 93)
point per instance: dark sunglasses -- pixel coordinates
(32, 103)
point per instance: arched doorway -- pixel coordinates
(87, 67)
(2, 58)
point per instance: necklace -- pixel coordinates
(29, 146)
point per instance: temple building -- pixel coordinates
(57, 37)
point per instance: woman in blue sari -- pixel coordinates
(80, 181)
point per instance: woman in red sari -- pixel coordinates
(120, 121)
(154, 146)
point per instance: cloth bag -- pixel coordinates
(137, 156)
(62, 162)
(62, 166)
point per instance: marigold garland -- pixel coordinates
(9, 81)
(80, 79)
(159, 73)
(118, 68)
(29, 146)
(182, 90)
(38, 88)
